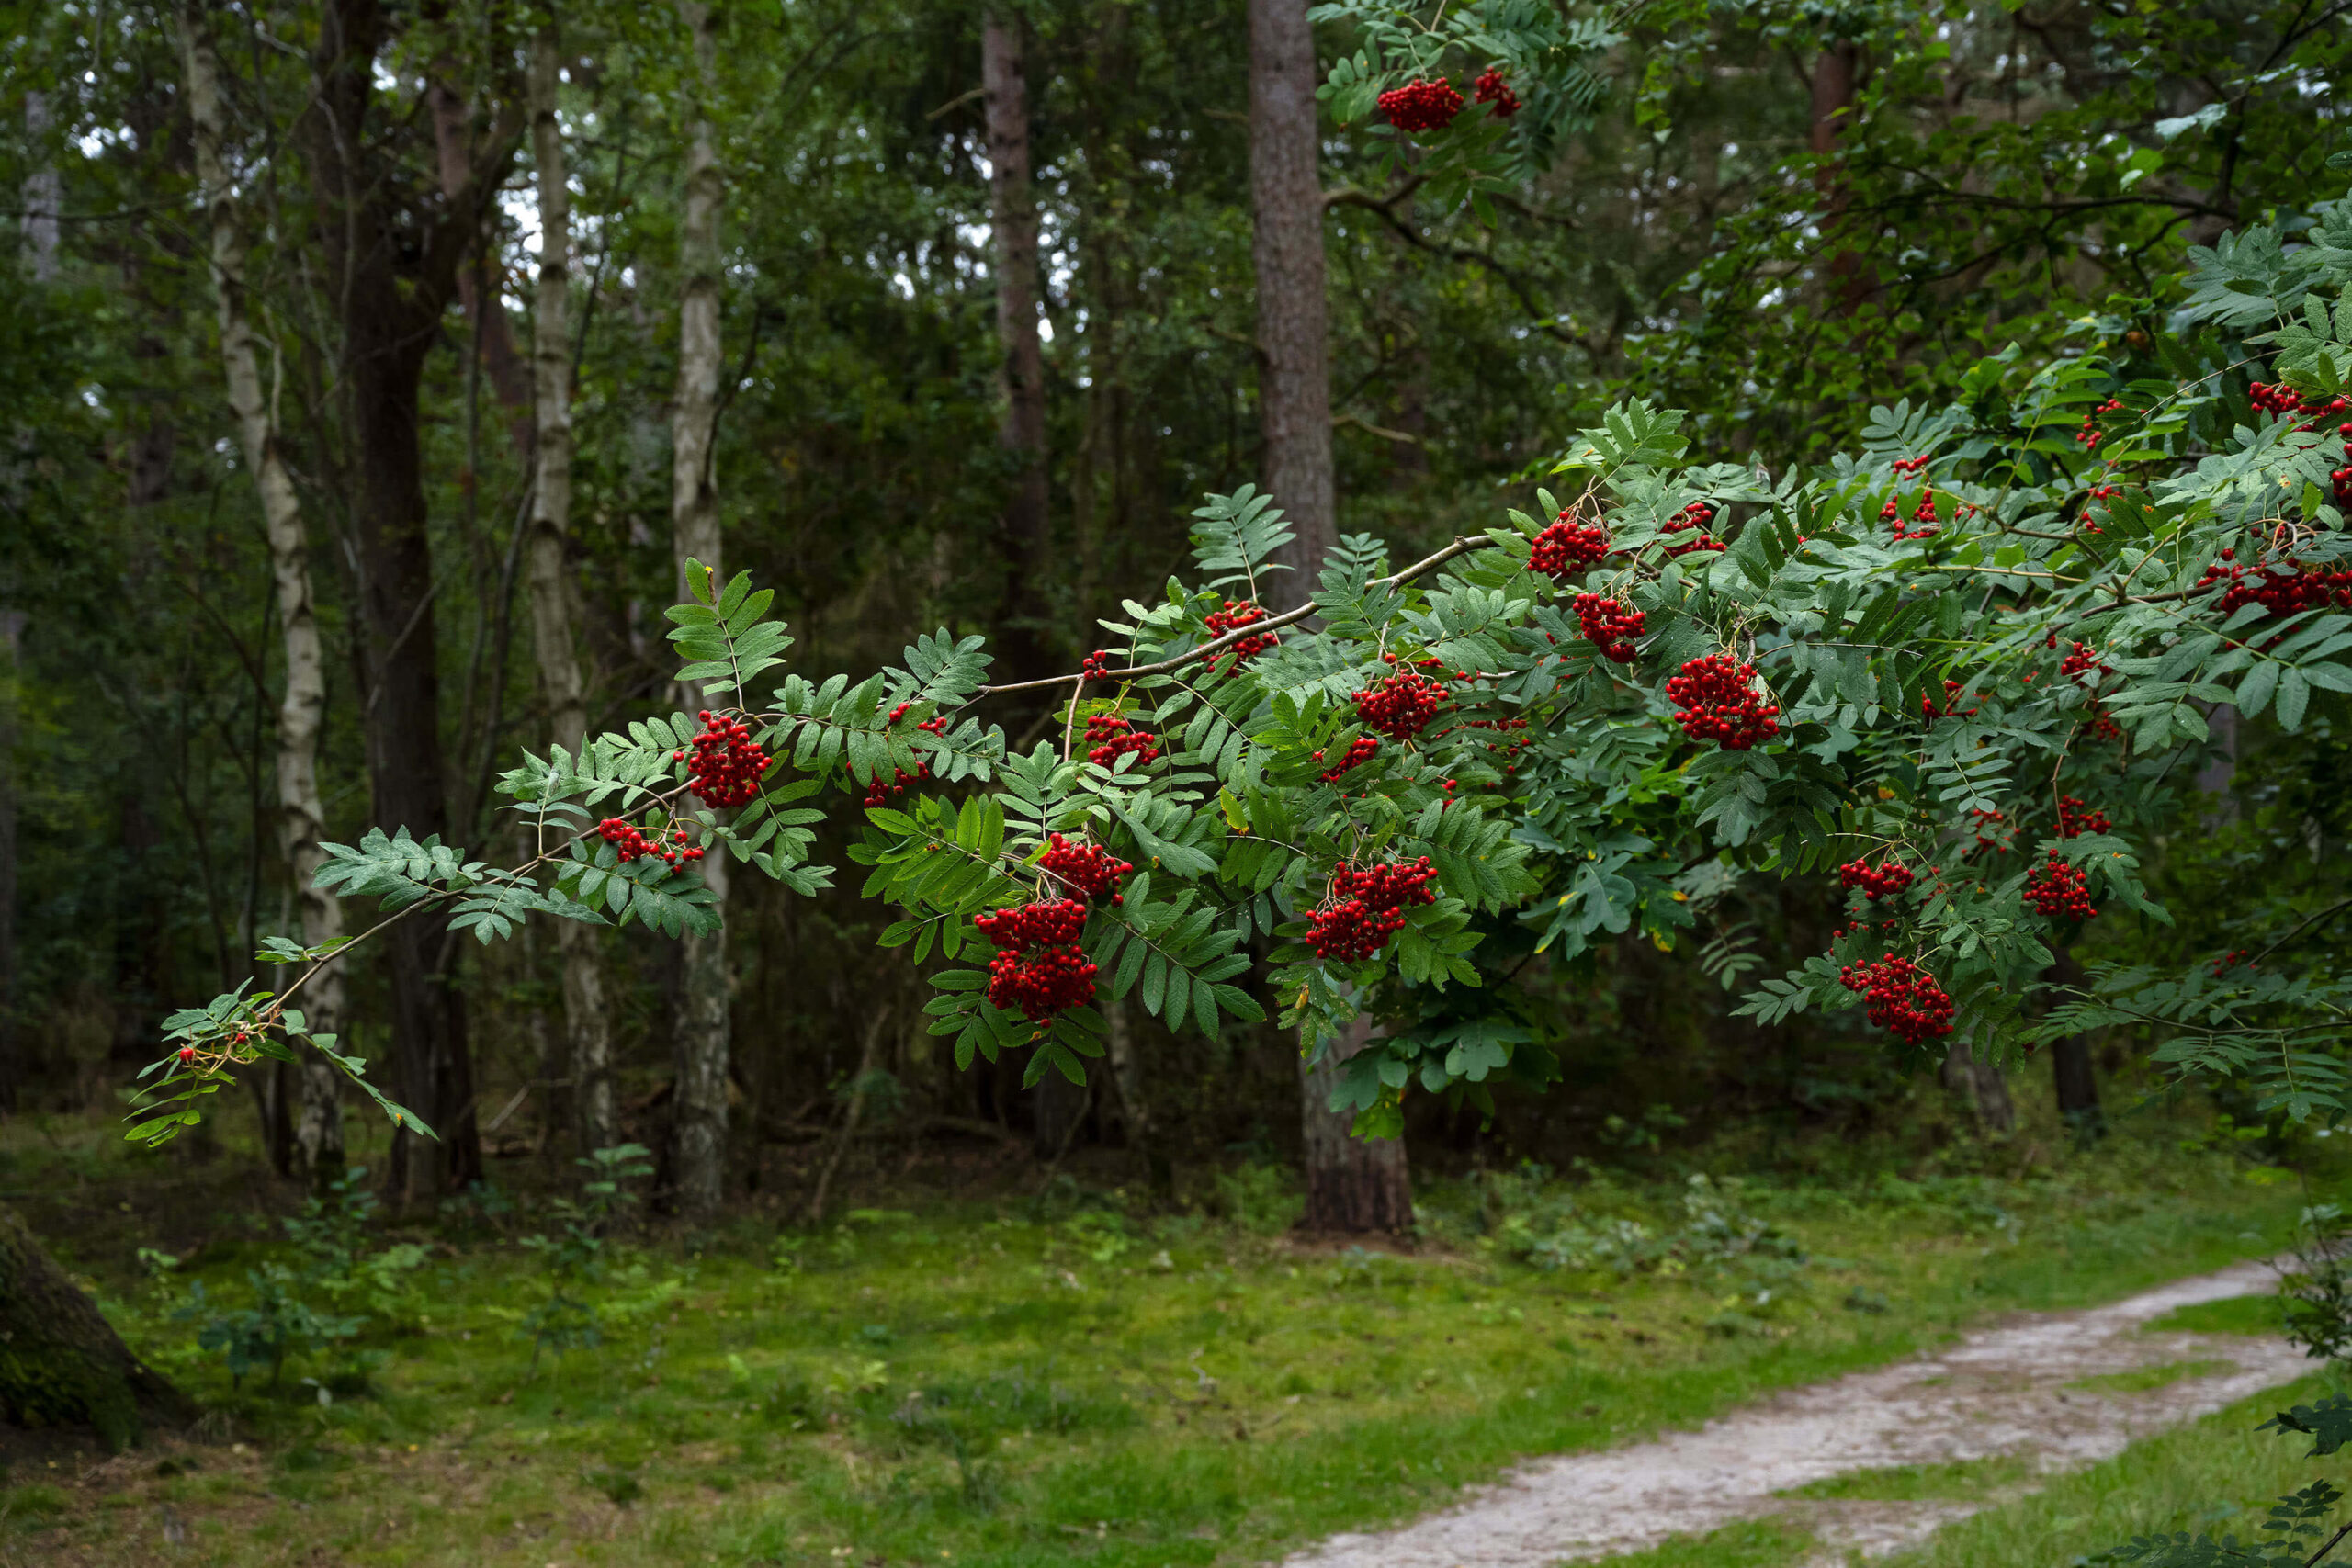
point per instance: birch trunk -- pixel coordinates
(698, 1106)
(1352, 1184)
(318, 1132)
(586, 1020)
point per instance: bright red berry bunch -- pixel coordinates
(2059, 890)
(1041, 969)
(1909, 465)
(1996, 834)
(726, 764)
(2090, 436)
(2281, 591)
(2280, 397)
(1931, 709)
(632, 843)
(1096, 666)
(1491, 88)
(1110, 736)
(2097, 493)
(1609, 627)
(1232, 618)
(1719, 702)
(1088, 870)
(1401, 706)
(1566, 547)
(1693, 518)
(1365, 908)
(1361, 750)
(1422, 106)
(1905, 999)
(1923, 517)
(1876, 882)
(2082, 660)
(2074, 818)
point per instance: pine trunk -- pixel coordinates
(698, 1106)
(301, 814)
(1353, 1185)
(586, 1020)
(1293, 353)
(60, 1363)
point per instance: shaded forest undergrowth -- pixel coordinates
(1046, 1371)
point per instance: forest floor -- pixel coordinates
(1040, 1374)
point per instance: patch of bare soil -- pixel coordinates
(2001, 1392)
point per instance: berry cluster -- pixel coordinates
(1905, 999)
(1096, 666)
(1719, 702)
(1890, 876)
(2282, 399)
(630, 843)
(1566, 547)
(1491, 88)
(1923, 517)
(1909, 465)
(2082, 660)
(1088, 870)
(1110, 736)
(2097, 493)
(1693, 518)
(880, 793)
(2059, 890)
(1361, 750)
(1609, 627)
(1232, 618)
(1401, 706)
(1422, 106)
(2074, 818)
(2228, 960)
(727, 763)
(1365, 908)
(1041, 969)
(2089, 434)
(2282, 592)
(1931, 709)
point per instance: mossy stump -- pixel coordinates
(61, 1364)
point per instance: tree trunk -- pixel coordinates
(2072, 1071)
(586, 1020)
(698, 1108)
(394, 249)
(1352, 1184)
(44, 192)
(301, 814)
(1988, 1092)
(12, 1067)
(60, 1363)
(1126, 1074)
(1294, 364)
(1835, 77)
(1012, 228)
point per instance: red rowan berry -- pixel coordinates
(1491, 88)
(2059, 890)
(726, 764)
(1088, 870)
(1718, 701)
(1109, 737)
(1232, 618)
(1568, 547)
(1421, 105)
(1609, 627)
(1363, 909)
(1905, 998)
(2074, 818)
(1890, 876)
(1400, 706)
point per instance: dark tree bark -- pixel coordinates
(1293, 353)
(1835, 77)
(1012, 224)
(393, 244)
(12, 626)
(1352, 1184)
(60, 1363)
(2072, 1071)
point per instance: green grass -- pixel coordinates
(1752, 1543)
(2145, 1380)
(1033, 1384)
(2257, 1316)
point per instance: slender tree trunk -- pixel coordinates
(1012, 212)
(44, 193)
(2072, 1071)
(585, 1014)
(12, 1068)
(1352, 1184)
(1294, 355)
(394, 254)
(1835, 78)
(60, 1363)
(1988, 1092)
(1126, 1073)
(301, 814)
(698, 1107)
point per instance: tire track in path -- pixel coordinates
(1998, 1392)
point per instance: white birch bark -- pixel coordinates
(318, 1132)
(587, 1021)
(698, 1105)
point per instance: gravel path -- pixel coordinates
(2000, 1391)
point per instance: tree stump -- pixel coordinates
(61, 1364)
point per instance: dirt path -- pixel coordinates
(2000, 1391)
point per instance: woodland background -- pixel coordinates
(1776, 217)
